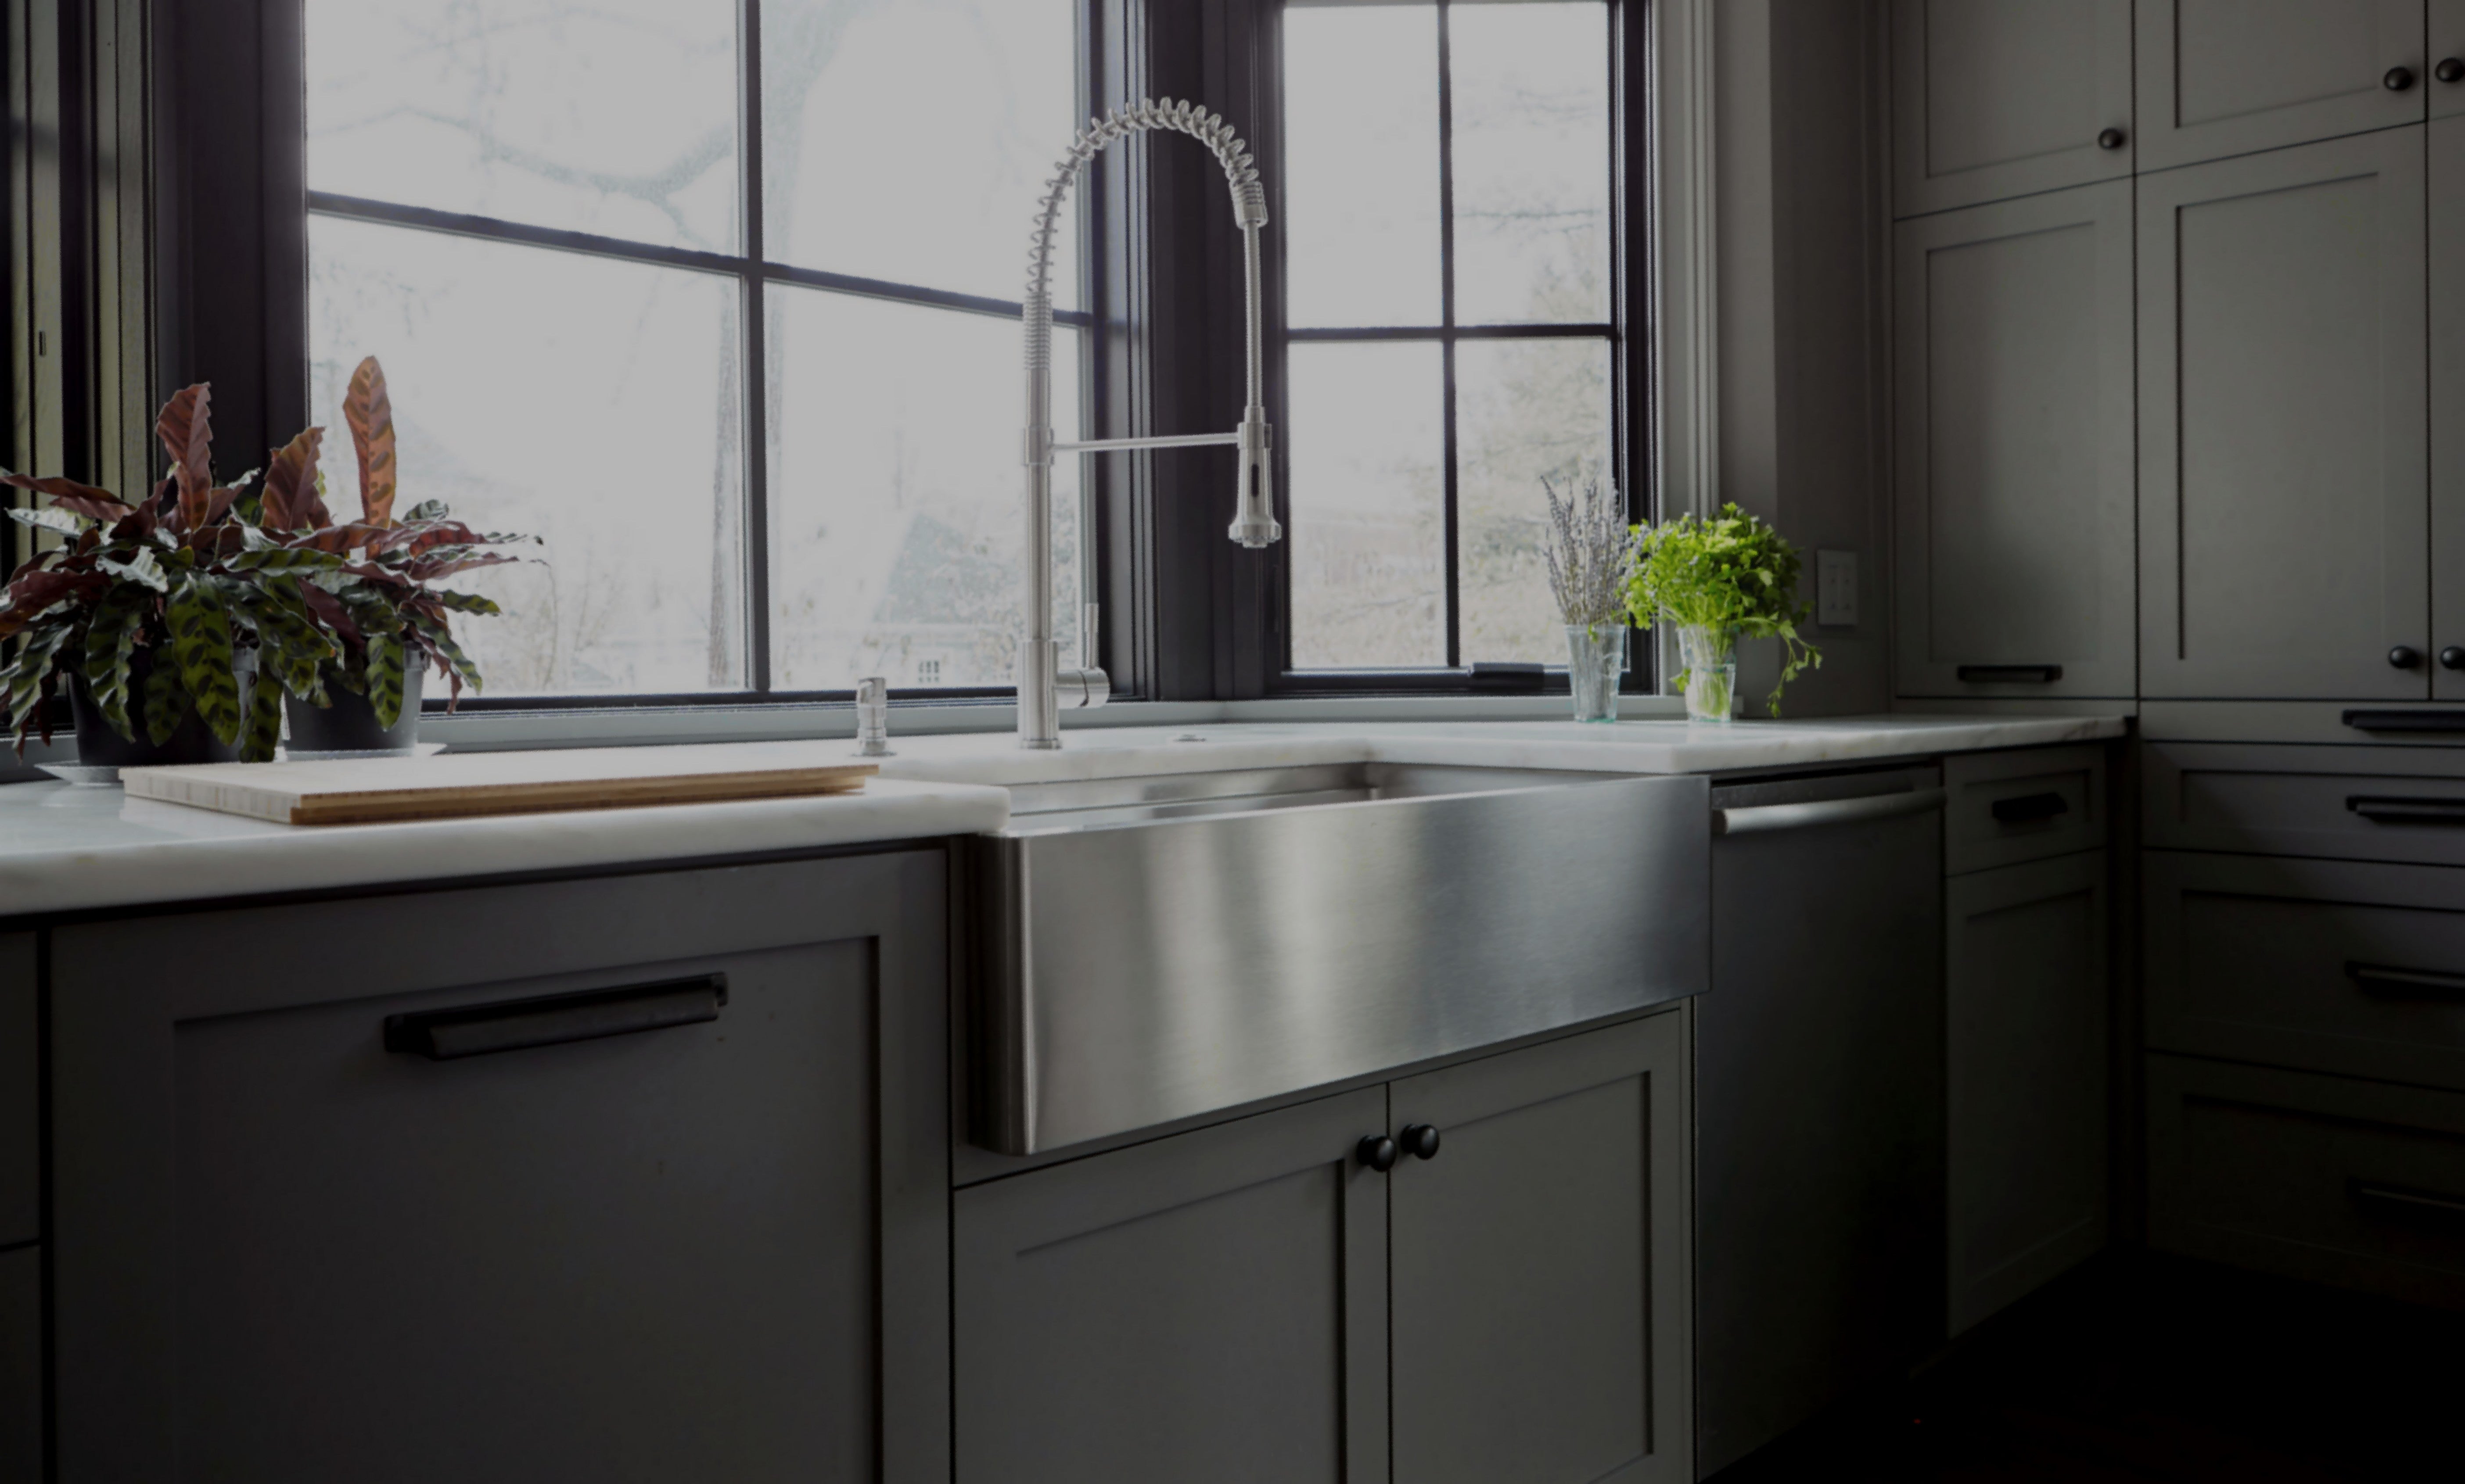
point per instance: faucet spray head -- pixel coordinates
(1253, 504)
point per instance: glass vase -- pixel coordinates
(1595, 658)
(1709, 651)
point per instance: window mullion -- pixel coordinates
(753, 375)
(1450, 479)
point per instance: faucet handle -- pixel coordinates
(873, 717)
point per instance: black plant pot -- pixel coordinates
(193, 741)
(350, 723)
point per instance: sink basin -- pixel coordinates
(1155, 949)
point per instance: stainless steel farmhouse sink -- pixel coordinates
(1154, 948)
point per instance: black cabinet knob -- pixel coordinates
(2453, 657)
(2405, 657)
(2450, 70)
(1378, 1152)
(1421, 1141)
(2110, 139)
(2398, 79)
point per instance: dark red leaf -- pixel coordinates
(291, 500)
(32, 592)
(186, 427)
(331, 613)
(82, 498)
(339, 538)
(431, 572)
(369, 411)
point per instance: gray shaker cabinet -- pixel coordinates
(1540, 1325)
(713, 1250)
(2447, 211)
(2221, 78)
(1209, 1308)
(20, 1095)
(2284, 499)
(2006, 98)
(2446, 26)
(2014, 481)
(2025, 1077)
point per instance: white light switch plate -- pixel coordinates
(1835, 589)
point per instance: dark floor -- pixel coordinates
(2152, 1368)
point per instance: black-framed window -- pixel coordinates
(1461, 239)
(712, 295)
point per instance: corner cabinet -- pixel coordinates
(1256, 1300)
(2283, 484)
(301, 1235)
(2014, 478)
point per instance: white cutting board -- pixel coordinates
(454, 785)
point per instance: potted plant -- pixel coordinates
(1719, 579)
(160, 615)
(378, 601)
(1590, 550)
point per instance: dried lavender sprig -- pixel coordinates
(1589, 549)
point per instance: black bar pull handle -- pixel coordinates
(2029, 808)
(2363, 720)
(2003, 674)
(2391, 810)
(2405, 983)
(552, 1020)
(2431, 1202)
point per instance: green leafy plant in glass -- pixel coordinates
(380, 605)
(185, 577)
(1728, 577)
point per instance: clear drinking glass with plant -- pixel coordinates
(1590, 549)
(1719, 579)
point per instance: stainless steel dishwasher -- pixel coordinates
(1818, 1061)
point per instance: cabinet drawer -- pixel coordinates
(20, 1095)
(2352, 803)
(2326, 1179)
(2332, 965)
(2010, 806)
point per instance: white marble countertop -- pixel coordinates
(64, 847)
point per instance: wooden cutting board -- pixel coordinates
(454, 785)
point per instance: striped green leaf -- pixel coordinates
(66, 522)
(264, 729)
(284, 559)
(26, 673)
(201, 641)
(110, 639)
(385, 677)
(167, 700)
(143, 569)
(441, 640)
(466, 603)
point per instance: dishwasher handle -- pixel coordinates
(1762, 818)
(552, 1020)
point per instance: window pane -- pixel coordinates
(1526, 410)
(590, 401)
(616, 116)
(1361, 164)
(895, 494)
(909, 140)
(1367, 506)
(1531, 97)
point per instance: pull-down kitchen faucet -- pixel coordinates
(1044, 687)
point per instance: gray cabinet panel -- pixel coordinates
(2222, 77)
(711, 1249)
(2333, 966)
(2014, 480)
(2447, 212)
(2446, 24)
(21, 1364)
(2006, 807)
(2282, 479)
(2006, 100)
(2303, 801)
(2025, 1077)
(1211, 1306)
(1539, 1274)
(2328, 1178)
(20, 1095)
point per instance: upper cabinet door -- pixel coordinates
(2447, 147)
(2283, 432)
(2006, 98)
(2013, 485)
(2222, 77)
(2445, 56)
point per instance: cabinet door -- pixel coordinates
(1207, 1307)
(21, 1364)
(2221, 78)
(2282, 482)
(2005, 99)
(2447, 211)
(2446, 31)
(2025, 1077)
(20, 1095)
(713, 1250)
(2014, 480)
(1539, 1281)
